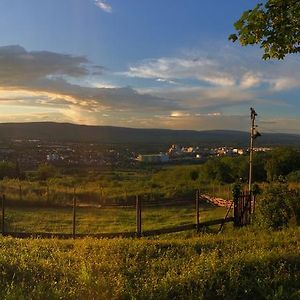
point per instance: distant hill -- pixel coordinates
(65, 132)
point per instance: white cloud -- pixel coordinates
(250, 80)
(284, 83)
(175, 68)
(224, 68)
(166, 81)
(103, 5)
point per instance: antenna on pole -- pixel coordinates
(253, 135)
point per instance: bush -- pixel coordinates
(277, 206)
(273, 211)
(46, 171)
(8, 169)
(293, 176)
(293, 201)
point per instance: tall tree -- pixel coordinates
(274, 25)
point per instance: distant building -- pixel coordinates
(175, 150)
(53, 157)
(188, 149)
(153, 158)
(238, 151)
(262, 149)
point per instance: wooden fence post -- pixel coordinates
(253, 207)
(198, 210)
(3, 214)
(74, 215)
(48, 193)
(138, 216)
(20, 192)
(236, 193)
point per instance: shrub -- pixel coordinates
(294, 176)
(274, 208)
(46, 171)
(293, 201)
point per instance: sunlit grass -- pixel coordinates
(102, 220)
(238, 264)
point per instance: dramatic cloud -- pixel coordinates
(170, 69)
(41, 79)
(189, 92)
(18, 66)
(103, 5)
(227, 68)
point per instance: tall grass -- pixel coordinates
(240, 264)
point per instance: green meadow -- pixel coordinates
(246, 263)
(237, 264)
(103, 220)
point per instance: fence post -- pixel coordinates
(3, 214)
(48, 193)
(74, 215)
(138, 217)
(20, 192)
(236, 192)
(198, 209)
(253, 207)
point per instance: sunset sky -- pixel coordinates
(140, 63)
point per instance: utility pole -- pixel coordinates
(253, 135)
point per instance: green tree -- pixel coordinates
(46, 171)
(8, 169)
(281, 162)
(216, 170)
(238, 166)
(274, 25)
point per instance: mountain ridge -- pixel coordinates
(69, 132)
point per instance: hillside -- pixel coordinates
(50, 131)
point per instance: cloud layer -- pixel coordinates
(40, 79)
(190, 91)
(226, 68)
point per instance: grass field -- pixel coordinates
(247, 263)
(110, 187)
(237, 264)
(102, 220)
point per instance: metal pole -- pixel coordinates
(197, 209)
(253, 114)
(74, 215)
(3, 214)
(138, 217)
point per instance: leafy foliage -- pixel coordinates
(46, 171)
(274, 25)
(9, 170)
(282, 161)
(294, 176)
(277, 205)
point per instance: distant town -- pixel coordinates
(31, 153)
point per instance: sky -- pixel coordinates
(142, 64)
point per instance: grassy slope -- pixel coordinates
(240, 264)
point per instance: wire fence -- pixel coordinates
(140, 218)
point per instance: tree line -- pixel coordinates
(279, 163)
